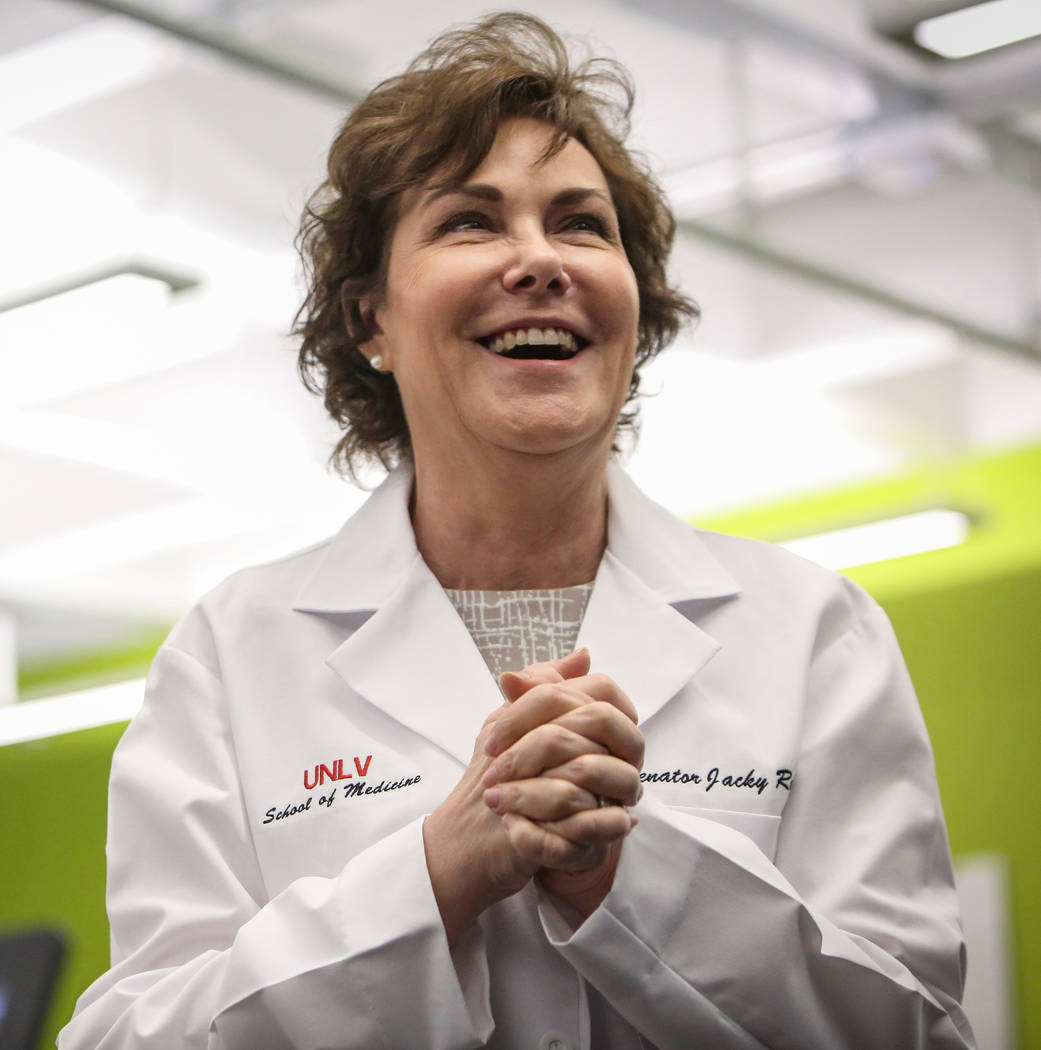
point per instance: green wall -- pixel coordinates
(52, 864)
(969, 620)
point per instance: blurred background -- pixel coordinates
(858, 188)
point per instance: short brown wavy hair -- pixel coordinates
(435, 123)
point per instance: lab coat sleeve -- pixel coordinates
(201, 958)
(849, 939)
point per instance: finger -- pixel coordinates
(515, 684)
(536, 707)
(582, 783)
(576, 843)
(521, 728)
(545, 746)
(592, 826)
(603, 776)
(604, 687)
(540, 798)
(538, 845)
(550, 700)
(497, 713)
(604, 724)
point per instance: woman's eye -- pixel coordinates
(464, 221)
(587, 223)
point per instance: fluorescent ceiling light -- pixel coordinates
(135, 537)
(89, 336)
(100, 218)
(981, 27)
(887, 350)
(74, 67)
(763, 173)
(926, 530)
(33, 719)
(153, 564)
(176, 282)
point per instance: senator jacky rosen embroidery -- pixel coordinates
(782, 779)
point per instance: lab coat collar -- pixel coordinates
(658, 548)
(411, 655)
(366, 560)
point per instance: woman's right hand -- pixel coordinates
(474, 856)
(468, 853)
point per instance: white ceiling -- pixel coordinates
(862, 231)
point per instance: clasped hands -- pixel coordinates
(529, 803)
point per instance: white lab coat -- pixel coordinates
(788, 884)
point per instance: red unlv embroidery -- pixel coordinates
(322, 772)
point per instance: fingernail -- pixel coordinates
(491, 777)
(633, 821)
(492, 798)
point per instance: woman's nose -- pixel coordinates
(537, 266)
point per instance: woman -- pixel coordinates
(329, 830)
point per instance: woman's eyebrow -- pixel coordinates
(486, 192)
(578, 194)
(478, 190)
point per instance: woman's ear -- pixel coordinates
(374, 346)
(367, 313)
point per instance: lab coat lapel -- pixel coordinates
(651, 650)
(408, 653)
(414, 660)
(655, 580)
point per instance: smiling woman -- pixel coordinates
(331, 827)
(418, 139)
(542, 255)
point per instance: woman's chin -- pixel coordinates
(551, 436)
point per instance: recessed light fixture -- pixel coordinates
(980, 27)
(926, 530)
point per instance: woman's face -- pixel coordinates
(510, 311)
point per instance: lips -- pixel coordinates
(535, 342)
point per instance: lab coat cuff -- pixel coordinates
(471, 967)
(463, 1005)
(655, 877)
(381, 930)
(622, 907)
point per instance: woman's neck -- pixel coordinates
(512, 524)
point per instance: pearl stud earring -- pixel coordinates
(377, 362)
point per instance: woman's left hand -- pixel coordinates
(563, 746)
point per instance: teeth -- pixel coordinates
(533, 337)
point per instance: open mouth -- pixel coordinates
(535, 344)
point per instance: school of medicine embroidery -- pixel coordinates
(334, 772)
